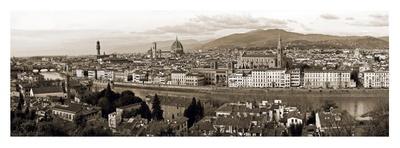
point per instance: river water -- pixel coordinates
(355, 106)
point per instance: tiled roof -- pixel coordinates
(50, 89)
(294, 115)
(257, 55)
(72, 108)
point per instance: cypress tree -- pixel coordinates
(157, 112)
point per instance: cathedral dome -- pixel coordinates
(177, 47)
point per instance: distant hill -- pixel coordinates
(269, 39)
(385, 38)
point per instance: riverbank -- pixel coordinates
(356, 101)
(236, 94)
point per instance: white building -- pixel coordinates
(293, 118)
(376, 79)
(139, 77)
(265, 78)
(92, 74)
(239, 80)
(108, 75)
(270, 78)
(114, 119)
(191, 79)
(79, 73)
(295, 79)
(327, 79)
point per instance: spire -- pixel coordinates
(176, 37)
(279, 42)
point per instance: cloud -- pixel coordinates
(379, 20)
(329, 17)
(202, 24)
(374, 20)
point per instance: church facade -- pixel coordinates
(254, 60)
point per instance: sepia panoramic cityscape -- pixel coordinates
(215, 75)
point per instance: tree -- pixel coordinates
(201, 110)
(127, 97)
(354, 76)
(61, 100)
(21, 102)
(144, 111)
(95, 131)
(194, 112)
(296, 129)
(329, 105)
(80, 120)
(106, 106)
(311, 118)
(51, 129)
(157, 112)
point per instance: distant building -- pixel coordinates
(139, 77)
(270, 78)
(295, 77)
(327, 79)
(177, 48)
(240, 80)
(376, 79)
(256, 60)
(189, 79)
(215, 76)
(262, 60)
(261, 78)
(99, 56)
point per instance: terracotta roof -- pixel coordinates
(50, 89)
(72, 108)
(257, 55)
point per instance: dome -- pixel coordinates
(177, 47)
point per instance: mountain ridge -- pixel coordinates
(269, 39)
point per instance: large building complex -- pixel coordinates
(327, 79)
(378, 79)
(184, 78)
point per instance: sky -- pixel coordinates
(50, 31)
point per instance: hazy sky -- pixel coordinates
(33, 31)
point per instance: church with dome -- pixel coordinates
(177, 48)
(176, 51)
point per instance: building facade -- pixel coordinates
(327, 79)
(376, 79)
(189, 79)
